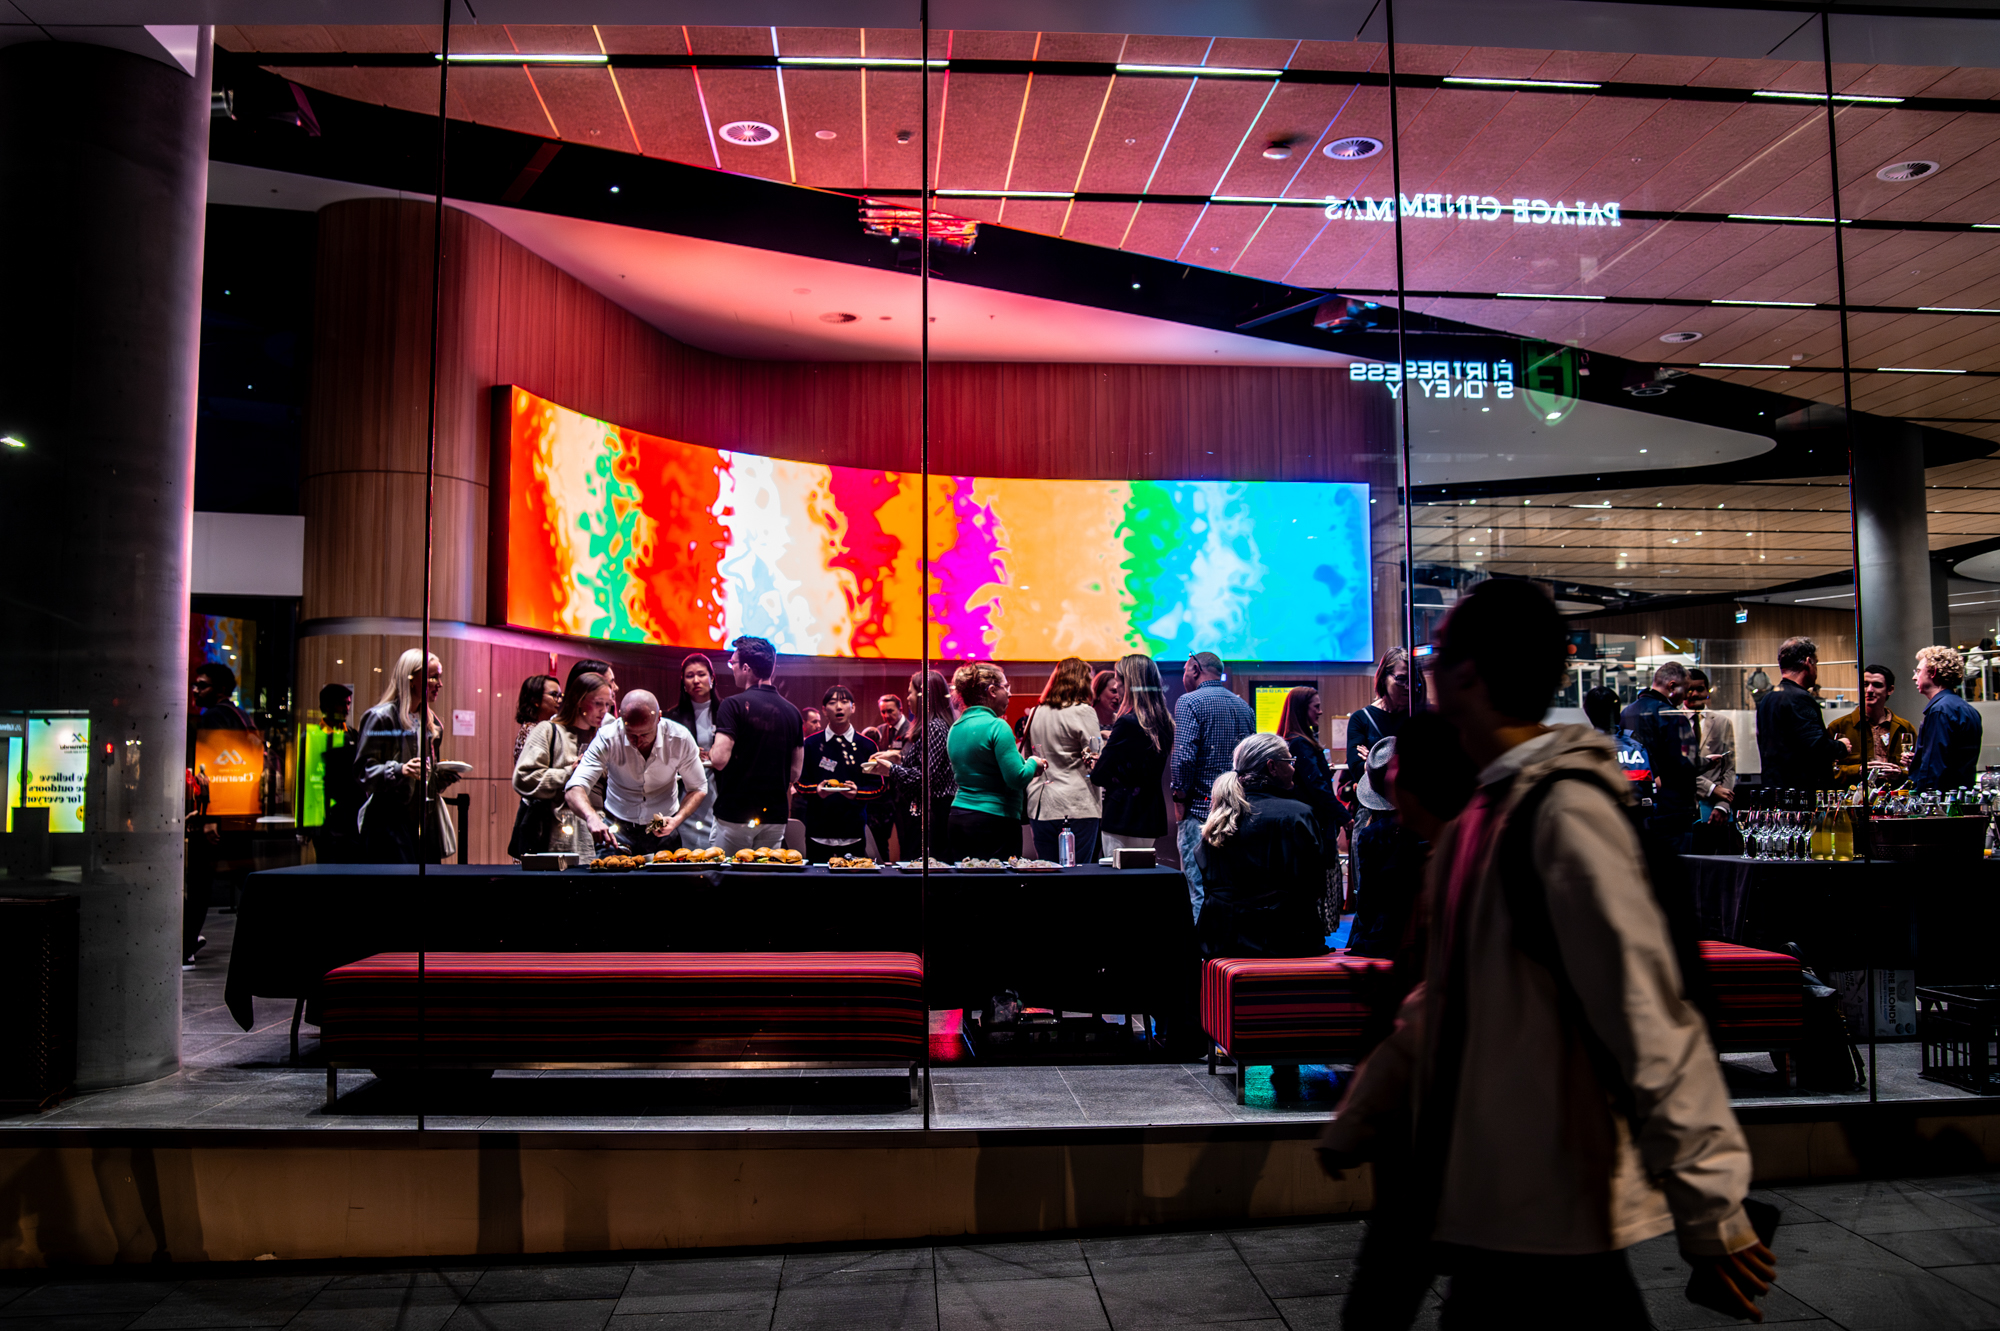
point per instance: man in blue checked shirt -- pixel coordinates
(1947, 752)
(1209, 722)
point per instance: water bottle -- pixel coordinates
(1066, 848)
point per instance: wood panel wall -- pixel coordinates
(1756, 642)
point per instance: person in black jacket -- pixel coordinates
(1132, 765)
(1263, 863)
(1654, 719)
(1797, 751)
(836, 823)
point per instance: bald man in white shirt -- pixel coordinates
(638, 757)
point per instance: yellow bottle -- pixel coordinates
(1843, 830)
(1819, 840)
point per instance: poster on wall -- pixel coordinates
(231, 764)
(630, 537)
(58, 769)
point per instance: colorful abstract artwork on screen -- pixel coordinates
(630, 537)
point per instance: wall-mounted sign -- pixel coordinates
(1440, 378)
(58, 769)
(1474, 208)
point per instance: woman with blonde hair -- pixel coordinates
(1062, 729)
(1262, 860)
(399, 741)
(1134, 761)
(985, 819)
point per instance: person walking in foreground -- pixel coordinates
(1209, 722)
(1565, 1100)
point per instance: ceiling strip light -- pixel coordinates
(1820, 96)
(1772, 304)
(859, 61)
(1541, 295)
(1952, 309)
(1263, 198)
(1784, 217)
(1522, 83)
(1003, 194)
(1986, 226)
(1201, 71)
(1907, 369)
(545, 58)
(1734, 365)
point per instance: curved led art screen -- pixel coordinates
(629, 537)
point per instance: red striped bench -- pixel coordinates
(625, 1010)
(1760, 1003)
(1285, 1011)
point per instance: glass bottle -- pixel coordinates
(1819, 839)
(1842, 829)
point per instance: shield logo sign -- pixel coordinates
(1549, 381)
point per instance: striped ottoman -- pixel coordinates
(599, 1009)
(1760, 1001)
(1289, 1010)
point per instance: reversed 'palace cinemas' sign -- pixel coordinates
(1475, 208)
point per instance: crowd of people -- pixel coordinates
(1682, 758)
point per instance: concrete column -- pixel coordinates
(1892, 531)
(103, 167)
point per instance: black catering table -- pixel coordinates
(1938, 919)
(1088, 939)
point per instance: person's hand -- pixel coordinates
(1362, 750)
(1726, 796)
(1885, 765)
(414, 767)
(600, 831)
(1746, 1275)
(1846, 744)
(704, 757)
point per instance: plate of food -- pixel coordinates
(617, 863)
(918, 866)
(686, 859)
(455, 768)
(1034, 866)
(983, 866)
(768, 858)
(853, 864)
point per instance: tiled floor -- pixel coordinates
(1922, 1254)
(233, 1078)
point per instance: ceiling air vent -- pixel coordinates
(749, 133)
(1688, 336)
(1901, 171)
(1352, 150)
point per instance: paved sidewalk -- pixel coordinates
(1921, 1254)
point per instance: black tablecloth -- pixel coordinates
(1939, 920)
(1088, 939)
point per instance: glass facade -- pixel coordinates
(1046, 362)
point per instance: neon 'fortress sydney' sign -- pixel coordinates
(1475, 208)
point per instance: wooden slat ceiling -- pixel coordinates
(857, 130)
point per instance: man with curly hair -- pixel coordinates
(1947, 755)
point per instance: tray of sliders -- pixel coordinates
(685, 860)
(853, 864)
(1019, 865)
(617, 863)
(768, 858)
(836, 787)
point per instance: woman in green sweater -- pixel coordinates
(986, 813)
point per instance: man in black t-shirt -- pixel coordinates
(758, 753)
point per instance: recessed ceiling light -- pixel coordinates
(826, 134)
(1898, 172)
(749, 133)
(836, 317)
(1689, 335)
(1352, 149)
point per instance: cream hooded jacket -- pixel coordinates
(1539, 1160)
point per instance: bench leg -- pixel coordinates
(916, 1087)
(332, 1084)
(1211, 1058)
(1242, 1072)
(298, 1013)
